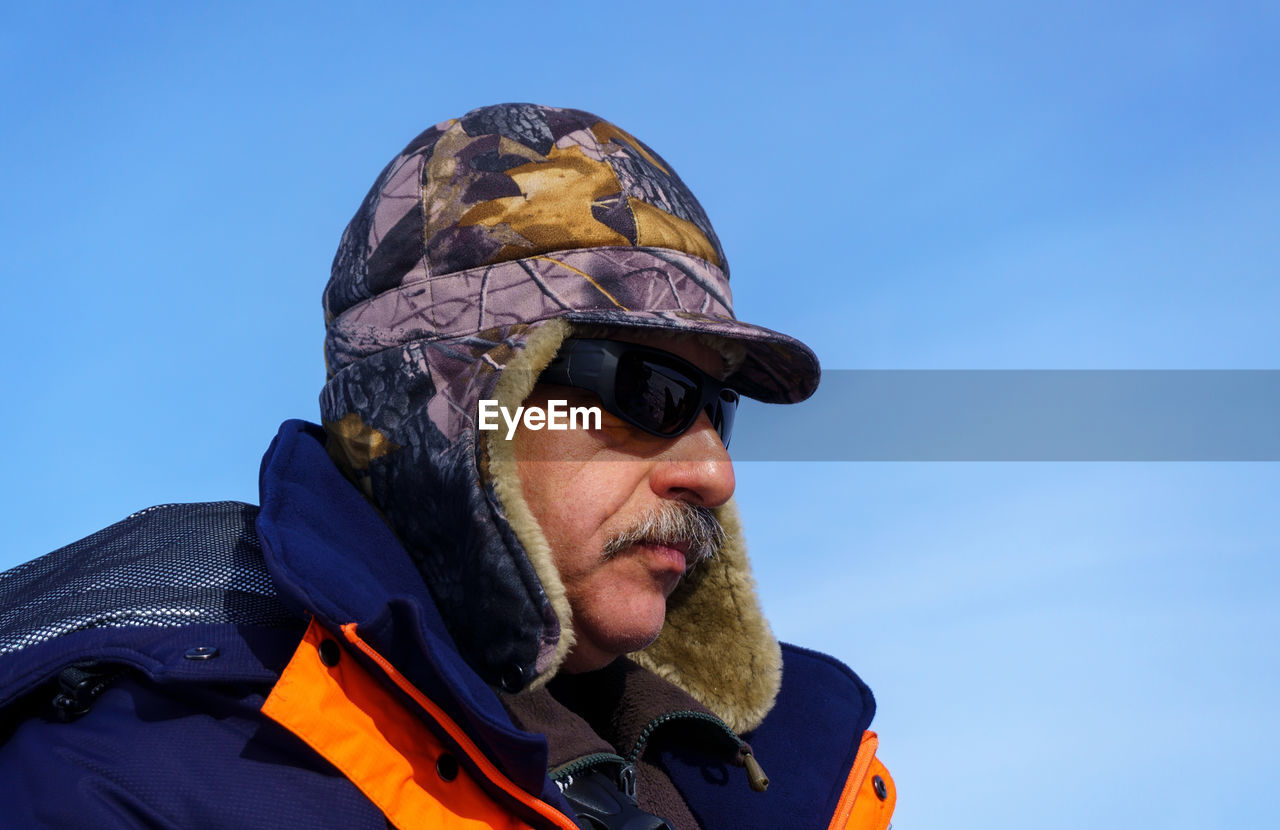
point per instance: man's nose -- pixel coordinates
(696, 468)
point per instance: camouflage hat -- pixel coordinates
(480, 247)
(518, 213)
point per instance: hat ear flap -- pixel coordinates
(515, 384)
(716, 643)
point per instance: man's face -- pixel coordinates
(587, 487)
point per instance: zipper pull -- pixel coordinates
(755, 774)
(627, 781)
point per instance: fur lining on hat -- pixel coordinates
(716, 643)
(514, 385)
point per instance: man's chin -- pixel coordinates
(591, 653)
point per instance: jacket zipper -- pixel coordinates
(579, 764)
(563, 775)
(626, 777)
(755, 774)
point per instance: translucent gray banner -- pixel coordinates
(1039, 415)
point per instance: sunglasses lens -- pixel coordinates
(648, 388)
(661, 397)
(722, 413)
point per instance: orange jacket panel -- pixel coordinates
(333, 704)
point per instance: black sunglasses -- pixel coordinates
(650, 389)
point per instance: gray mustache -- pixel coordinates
(672, 523)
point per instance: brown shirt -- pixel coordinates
(628, 711)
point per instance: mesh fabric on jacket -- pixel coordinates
(170, 565)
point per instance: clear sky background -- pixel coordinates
(909, 185)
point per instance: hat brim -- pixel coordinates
(776, 369)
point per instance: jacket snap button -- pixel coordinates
(512, 679)
(329, 653)
(882, 792)
(201, 652)
(447, 767)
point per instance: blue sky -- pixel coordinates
(903, 186)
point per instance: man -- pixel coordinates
(521, 626)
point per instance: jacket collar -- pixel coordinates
(332, 557)
(617, 710)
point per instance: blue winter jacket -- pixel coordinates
(225, 666)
